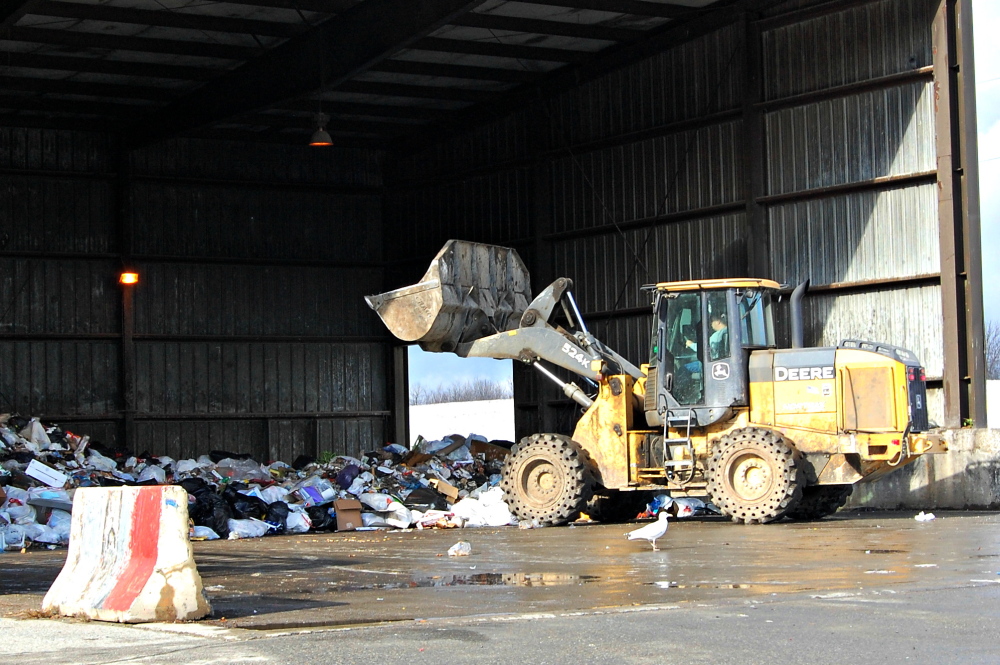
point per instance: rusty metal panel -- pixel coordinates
(39, 149)
(627, 334)
(496, 142)
(56, 214)
(906, 317)
(674, 173)
(190, 439)
(493, 208)
(875, 134)
(193, 159)
(200, 299)
(871, 235)
(59, 377)
(68, 296)
(607, 276)
(694, 79)
(194, 378)
(190, 220)
(861, 42)
(105, 432)
(350, 436)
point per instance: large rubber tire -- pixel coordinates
(546, 478)
(616, 506)
(818, 501)
(753, 477)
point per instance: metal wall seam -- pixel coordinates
(857, 237)
(888, 315)
(888, 36)
(816, 145)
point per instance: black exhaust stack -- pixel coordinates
(798, 334)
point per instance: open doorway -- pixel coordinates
(453, 395)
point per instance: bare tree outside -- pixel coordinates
(464, 391)
(992, 348)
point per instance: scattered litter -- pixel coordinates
(925, 517)
(461, 548)
(929, 565)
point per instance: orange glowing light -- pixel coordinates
(129, 278)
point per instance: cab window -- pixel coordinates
(756, 327)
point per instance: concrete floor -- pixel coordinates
(262, 589)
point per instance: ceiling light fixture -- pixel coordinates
(321, 137)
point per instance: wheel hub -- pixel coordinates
(541, 482)
(751, 477)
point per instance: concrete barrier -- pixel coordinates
(129, 559)
(966, 477)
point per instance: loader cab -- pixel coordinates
(703, 333)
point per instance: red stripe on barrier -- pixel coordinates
(143, 549)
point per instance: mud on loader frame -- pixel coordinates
(765, 433)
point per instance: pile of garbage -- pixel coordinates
(451, 483)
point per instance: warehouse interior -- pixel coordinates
(615, 142)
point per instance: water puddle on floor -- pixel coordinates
(702, 585)
(481, 579)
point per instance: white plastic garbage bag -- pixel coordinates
(273, 493)
(203, 533)
(98, 461)
(461, 548)
(14, 537)
(153, 472)
(35, 433)
(60, 522)
(185, 466)
(297, 522)
(41, 533)
(377, 502)
(398, 516)
(250, 528)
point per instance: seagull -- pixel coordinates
(652, 531)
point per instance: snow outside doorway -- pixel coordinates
(453, 395)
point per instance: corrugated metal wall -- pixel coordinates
(250, 330)
(647, 174)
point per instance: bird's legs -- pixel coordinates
(655, 548)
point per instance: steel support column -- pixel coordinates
(400, 390)
(126, 243)
(754, 183)
(958, 212)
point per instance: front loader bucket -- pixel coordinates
(469, 291)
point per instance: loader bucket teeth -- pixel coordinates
(470, 290)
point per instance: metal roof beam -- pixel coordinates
(420, 68)
(418, 91)
(634, 7)
(11, 11)
(69, 87)
(335, 123)
(165, 18)
(500, 50)
(325, 57)
(129, 43)
(544, 27)
(99, 66)
(320, 6)
(360, 109)
(69, 106)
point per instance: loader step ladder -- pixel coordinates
(681, 420)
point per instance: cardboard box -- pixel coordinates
(447, 489)
(348, 514)
(46, 474)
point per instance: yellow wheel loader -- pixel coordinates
(717, 410)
